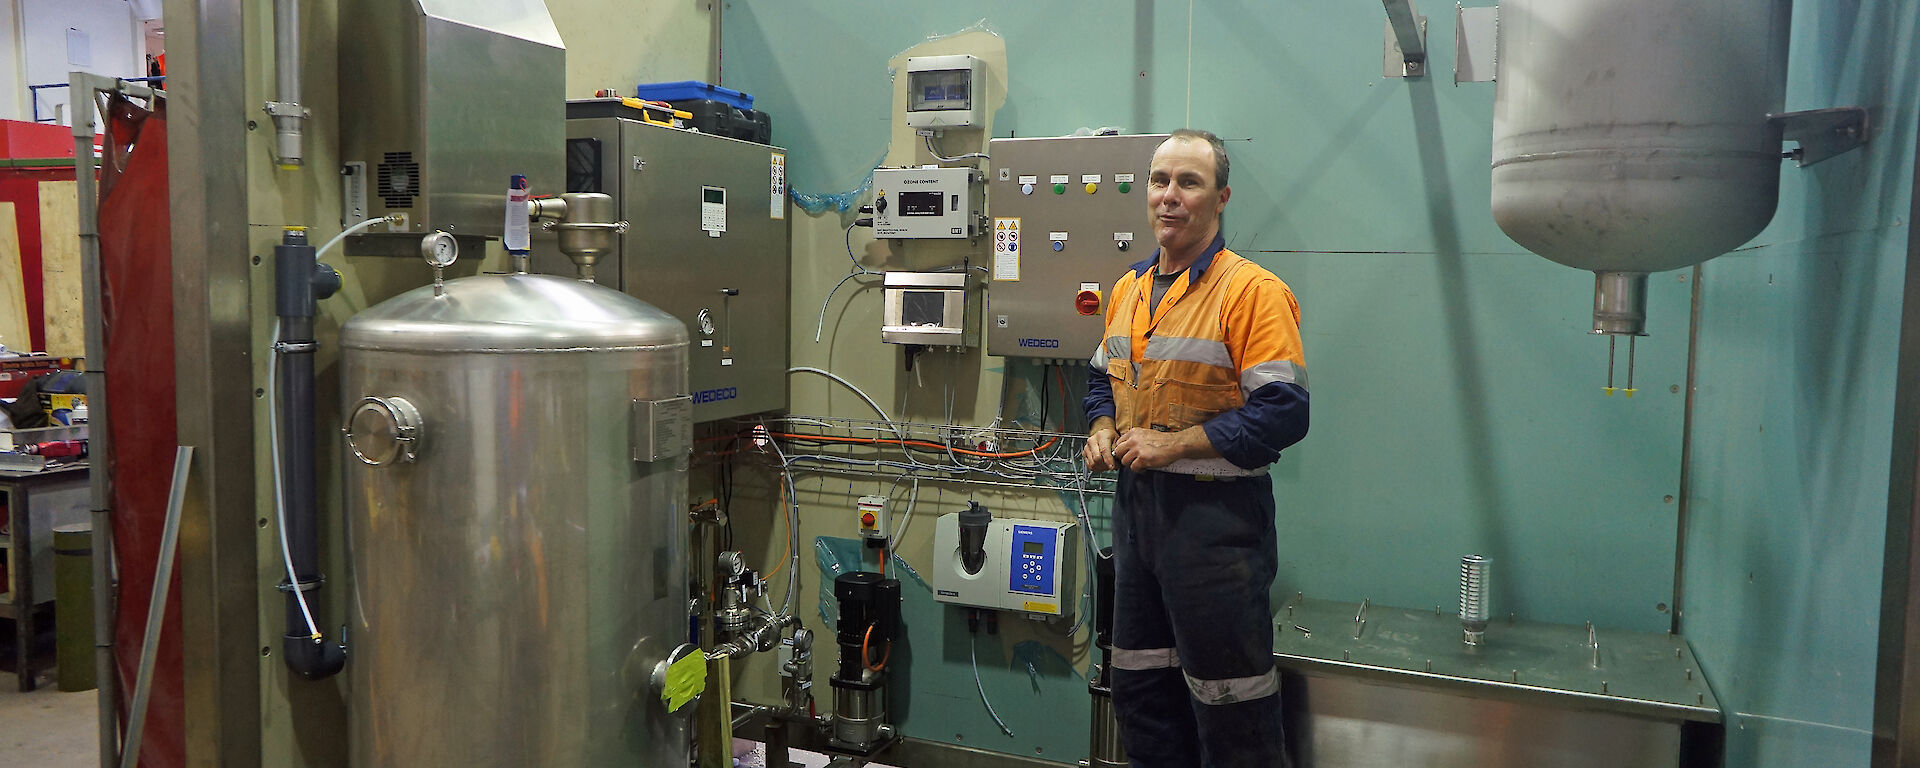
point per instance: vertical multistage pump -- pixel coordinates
(868, 627)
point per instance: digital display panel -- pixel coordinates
(923, 308)
(920, 203)
(1033, 547)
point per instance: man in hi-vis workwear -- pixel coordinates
(1197, 387)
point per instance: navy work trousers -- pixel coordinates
(1193, 676)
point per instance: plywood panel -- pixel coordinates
(13, 294)
(60, 269)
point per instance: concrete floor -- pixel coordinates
(47, 728)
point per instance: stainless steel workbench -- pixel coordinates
(1400, 688)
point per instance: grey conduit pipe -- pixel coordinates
(299, 282)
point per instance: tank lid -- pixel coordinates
(512, 313)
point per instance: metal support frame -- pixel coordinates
(1406, 50)
(1822, 133)
(100, 446)
(1685, 492)
(213, 336)
(1896, 725)
(33, 92)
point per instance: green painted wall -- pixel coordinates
(1457, 399)
(1797, 355)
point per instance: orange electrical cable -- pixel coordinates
(786, 549)
(922, 444)
(863, 652)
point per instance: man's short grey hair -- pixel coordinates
(1220, 162)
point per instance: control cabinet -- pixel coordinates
(1031, 566)
(1069, 214)
(708, 242)
(927, 202)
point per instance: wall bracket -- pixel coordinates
(1822, 133)
(1406, 49)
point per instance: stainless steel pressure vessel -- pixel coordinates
(1632, 136)
(515, 478)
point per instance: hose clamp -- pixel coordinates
(398, 418)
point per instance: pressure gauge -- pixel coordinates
(439, 249)
(705, 321)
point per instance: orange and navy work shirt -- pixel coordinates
(1222, 351)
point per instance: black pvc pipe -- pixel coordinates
(299, 280)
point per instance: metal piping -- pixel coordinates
(100, 441)
(585, 221)
(289, 117)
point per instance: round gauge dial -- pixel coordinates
(705, 320)
(439, 249)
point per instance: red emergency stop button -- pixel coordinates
(1087, 302)
(866, 519)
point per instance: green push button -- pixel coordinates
(1059, 189)
(1125, 187)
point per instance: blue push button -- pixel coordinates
(1026, 189)
(1059, 245)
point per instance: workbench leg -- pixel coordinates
(19, 508)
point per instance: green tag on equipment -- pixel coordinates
(686, 678)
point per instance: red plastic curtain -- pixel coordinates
(136, 260)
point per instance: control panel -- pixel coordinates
(928, 203)
(1031, 566)
(1033, 552)
(1069, 214)
(719, 206)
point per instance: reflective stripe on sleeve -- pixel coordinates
(1114, 348)
(1151, 658)
(1190, 350)
(1283, 371)
(1228, 691)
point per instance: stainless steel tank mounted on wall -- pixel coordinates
(516, 501)
(1633, 136)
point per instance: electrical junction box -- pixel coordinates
(943, 92)
(873, 517)
(1031, 566)
(928, 203)
(1069, 214)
